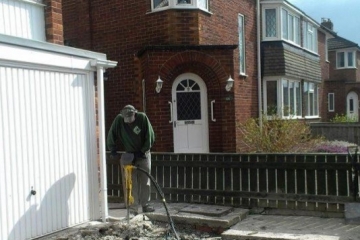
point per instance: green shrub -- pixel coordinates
(276, 135)
(342, 118)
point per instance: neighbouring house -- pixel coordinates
(342, 88)
(294, 62)
(48, 117)
(219, 63)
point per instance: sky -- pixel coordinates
(344, 14)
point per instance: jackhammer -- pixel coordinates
(130, 199)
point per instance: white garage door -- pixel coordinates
(47, 151)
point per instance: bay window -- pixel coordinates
(167, 4)
(284, 23)
(283, 98)
(288, 98)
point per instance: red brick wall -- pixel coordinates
(122, 28)
(54, 21)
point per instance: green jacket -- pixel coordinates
(137, 136)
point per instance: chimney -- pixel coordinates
(326, 22)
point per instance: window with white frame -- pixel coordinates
(167, 4)
(345, 59)
(270, 23)
(23, 18)
(311, 99)
(331, 102)
(271, 103)
(310, 37)
(241, 44)
(290, 25)
(291, 99)
(283, 98)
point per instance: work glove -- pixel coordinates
(138, 155)
(114, 155)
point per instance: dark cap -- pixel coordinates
(128, 113)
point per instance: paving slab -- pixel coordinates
(197, 214)
(292, 227)
(203, 209)
(352, 213)
(249, 235)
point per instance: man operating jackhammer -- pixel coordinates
(133, 129)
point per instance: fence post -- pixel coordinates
(352, 151)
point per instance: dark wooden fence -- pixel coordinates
(307, 182)
(349, 132)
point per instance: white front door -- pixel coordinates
(190, 117)
(352, 106)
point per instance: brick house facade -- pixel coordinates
(177, 39)
(148, 44)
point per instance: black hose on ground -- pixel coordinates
(163, 200)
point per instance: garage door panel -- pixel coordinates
(45, 124)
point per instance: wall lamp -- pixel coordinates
(159, 84)
(229, 83)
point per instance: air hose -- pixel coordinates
(163, 200)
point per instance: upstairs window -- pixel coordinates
(23, 18)
(281, 22)
(290, 27)
(345, 59)
(167, 4)
(270, 23)
(310, 37)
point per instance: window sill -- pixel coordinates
(35, 2)
(179, 8)
(344, 68)
(243, 75)
(312, 117)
